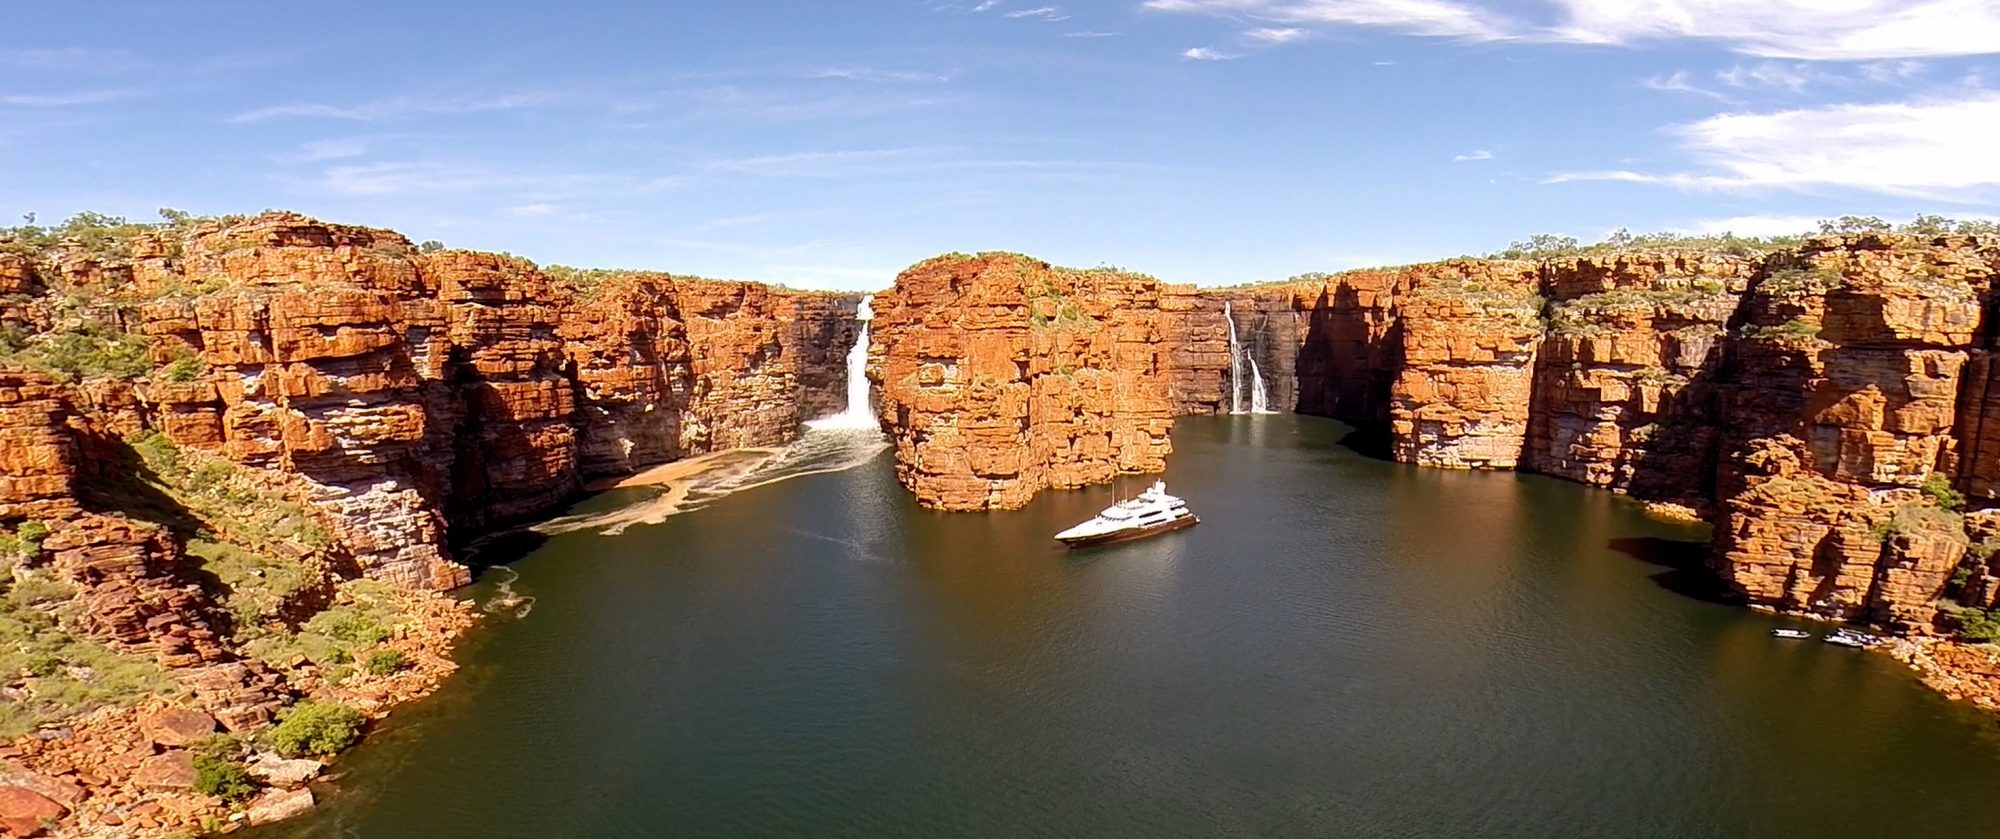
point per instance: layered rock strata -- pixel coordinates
(1001, 375)
(1204, 378)
(1822, 405)
(242, 425)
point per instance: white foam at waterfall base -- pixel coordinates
(859, 414)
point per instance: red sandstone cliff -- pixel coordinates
(1814, 401)
(1001, 376)
(244, 422)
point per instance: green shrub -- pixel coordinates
(1792, 331)
(345, 623)
(386, 662)
(89, 350)
(1800, 282)
(1979, 626)
(219, 770)
(1941, 493)
(43, 665)
(24, 542)
(184, 369)
(316, 728)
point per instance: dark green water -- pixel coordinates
(1345, 647)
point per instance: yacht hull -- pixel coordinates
(1129, 535)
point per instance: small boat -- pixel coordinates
(1152, 512)
(1848, 638)
(1791, 633)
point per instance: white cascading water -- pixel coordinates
(859, 415)
(1238, 354)
(1235, 363)
(1259, 403)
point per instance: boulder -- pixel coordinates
(179, 727)
(24, 812)
(169, 771)
(276, 771)
(278, 805)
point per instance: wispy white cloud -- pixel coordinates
(1206, 54)
(1939, 148)
(321, 150)
(917, 160)
(1438, 18)
(72, 60)
(1787, 76)
(868, 74)
(1818, 30)
(812, 163)
(985, 6)
(1090, 33)
(1805, 29)
(433, 177)
(67, 99)
(532, 210)
(408, 106)
(1471, 156)
(1680, 82)
(1048, 13)
(1275, 35)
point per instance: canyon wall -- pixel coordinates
(235, 457)
(1822, 406)
(418, 393)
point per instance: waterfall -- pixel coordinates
(859, 414)
(1235, 363)
(1259, 403)
(1238, 354)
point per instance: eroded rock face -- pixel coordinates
(38, 458)
(415, 394)
(1625, 384)
(1470, 332)
(1844, 397)
(378, 399)
(1001, 376)
(1800, 399)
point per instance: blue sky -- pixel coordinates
(831, 144)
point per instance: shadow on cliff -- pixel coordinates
(1686, 567)
(116, 480)
(1345, 372)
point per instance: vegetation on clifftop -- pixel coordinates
(1553, 246)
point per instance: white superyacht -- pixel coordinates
(1153, 511)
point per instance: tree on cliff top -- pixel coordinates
(97, 233)
(1551, 246)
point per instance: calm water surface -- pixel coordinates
(1344, 647)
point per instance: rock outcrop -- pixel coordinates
(1001, 376)
(1470, 331)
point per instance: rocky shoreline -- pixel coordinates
(120, 773)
